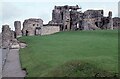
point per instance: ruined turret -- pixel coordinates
(92, 19)
(6, 36)
(17, 25)
(62, 15)
(110, 24)
(116, 23)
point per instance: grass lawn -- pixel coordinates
(73, 53)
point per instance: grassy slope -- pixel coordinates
(45, 53)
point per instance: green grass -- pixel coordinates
(48, 55)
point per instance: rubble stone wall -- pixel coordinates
(46, 30)
(6, 36)
(116, 23)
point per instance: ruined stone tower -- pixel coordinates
(110, 24)
(6, 36)
(66, 18)
(92, 19)
(116, 23)
(32, 26)
(69, 18)
(17, 25)
(61, 15)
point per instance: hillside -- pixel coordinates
(73, 53)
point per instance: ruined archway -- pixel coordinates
(26, 32)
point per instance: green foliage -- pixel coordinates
(44, 54)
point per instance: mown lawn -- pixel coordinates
(73, 53)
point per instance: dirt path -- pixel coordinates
(0, 40)
(12, 66)
(0, 63)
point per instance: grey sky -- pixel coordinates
(119, 9)
(21, 10)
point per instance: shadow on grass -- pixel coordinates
(77, 68)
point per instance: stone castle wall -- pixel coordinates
(46, 30)
(116, 23)
(63, 18)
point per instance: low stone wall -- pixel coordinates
(46, 30)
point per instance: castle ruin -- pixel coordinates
(17, 25)
(32, 26)
(64, 18)
(9, 38)
(116, 23)
(69, 18)
(6, 36)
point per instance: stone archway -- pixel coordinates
(38, 31)
(26, 33)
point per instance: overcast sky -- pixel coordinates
(24, 9)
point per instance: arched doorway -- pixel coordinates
(26, 33)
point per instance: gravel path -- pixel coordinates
(9, 63)
(12, 66)
(0, 39)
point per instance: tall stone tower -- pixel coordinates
(66, 18)
(110, 24)
(17, 25)
(6, 36)
(62, 15)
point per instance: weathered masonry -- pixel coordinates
(32, 27)
(64, 18)
(8, 38)
(17, 25)
(35, 27)
(47, 29)
(116, 23)
(69, 18)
